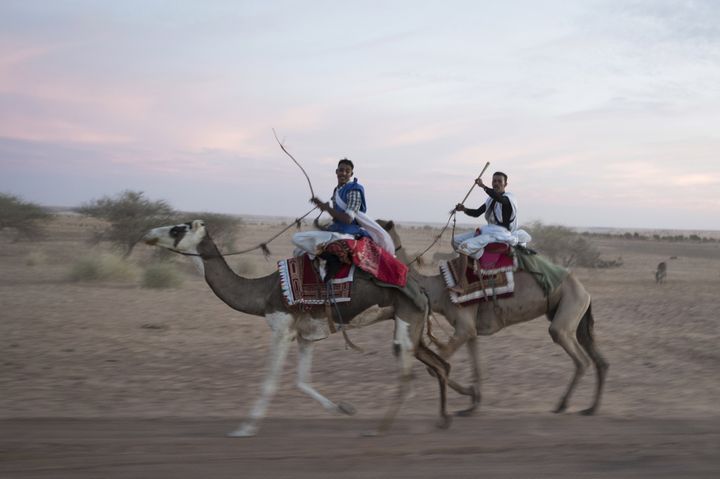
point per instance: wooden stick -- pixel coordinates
(475, 184)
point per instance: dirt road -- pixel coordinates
(491, 445)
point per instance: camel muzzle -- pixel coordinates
(151, 241)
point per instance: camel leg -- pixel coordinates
(282, 336)
(454, 343)
(474, 390)
(441, 370)
(403, 348)
(303, 379)
(586, 338)
(464, 334)
(563, 331)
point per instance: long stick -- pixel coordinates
(452, 215)
(475, 184)
(296, 162)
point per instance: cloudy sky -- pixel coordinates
(602, 112)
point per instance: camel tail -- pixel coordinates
(586, 338)
(585, 330)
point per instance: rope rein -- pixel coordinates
(263, 246)
(437, 238)
(453, 217)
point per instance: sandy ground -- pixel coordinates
(114, 380)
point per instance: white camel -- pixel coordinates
(263, 297)
(568, 309)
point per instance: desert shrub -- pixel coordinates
(36, 258)
(22, 216)
(103, 267)
(564, 246)
(130, 215)
(161, 275)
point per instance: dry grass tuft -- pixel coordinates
(162, 275)
(103, 267)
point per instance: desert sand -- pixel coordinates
(109, 379)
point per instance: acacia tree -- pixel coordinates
(223, 228)
(562, 244)
(22, 216)
(130, 215)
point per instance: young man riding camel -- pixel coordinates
(500, 211)
(348, 213)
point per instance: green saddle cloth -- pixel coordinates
(411, 289)
(548, 275)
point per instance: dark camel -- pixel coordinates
(263, 297)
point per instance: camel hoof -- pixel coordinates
(243, 431)
(444, 422)
(561, 408)
(588, 412)
(466, 412)
(346, 408)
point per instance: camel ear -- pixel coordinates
(197, 224)
(389, 226)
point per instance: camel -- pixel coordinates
(568, 308)
(263, 297)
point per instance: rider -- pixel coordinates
(501, 215)
(500, 208)
(348, 212)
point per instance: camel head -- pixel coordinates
(389, 226)
(184, 237)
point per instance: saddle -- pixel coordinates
(489, 278)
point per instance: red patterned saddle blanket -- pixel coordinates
(302, 284)
(371, 258)
(487, 278)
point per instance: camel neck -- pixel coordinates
(433, 285)
(247, 295)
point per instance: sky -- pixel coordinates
(601, 112)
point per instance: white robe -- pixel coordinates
(474, 246)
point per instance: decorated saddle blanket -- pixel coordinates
(488, 278)
(371, 258)
(301, 283)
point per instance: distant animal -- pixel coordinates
(673, 257)
(661, 272)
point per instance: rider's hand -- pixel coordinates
(480, 183)
(459, 207)
(319, 203)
